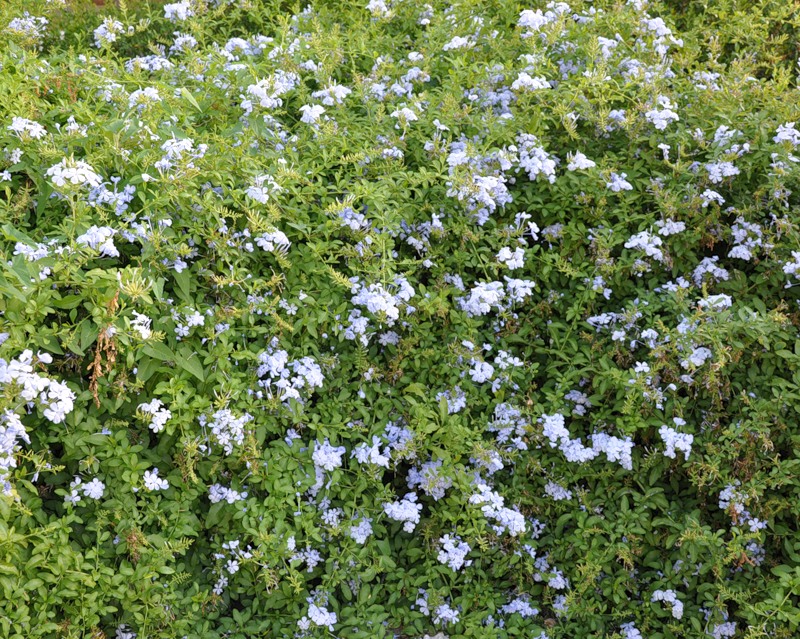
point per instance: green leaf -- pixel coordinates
(6, 288)
(188, 95)
(50, 343)
(12, 233)
(443, 410)
(67, 302)
(159, 351)
(190, 362)
(88, 334)
(182, 279)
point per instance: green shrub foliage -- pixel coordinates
(389, 319)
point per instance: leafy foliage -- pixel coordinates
(389, 319)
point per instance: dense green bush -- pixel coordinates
(765, 32)
(389, 319)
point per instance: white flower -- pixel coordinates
(311, 114)
(365, 453)
(508, 519)
(226, 428)
(787, 133)
(661, 118)
(142, 97)
(378, 9)
(405, 115)
(525, 81)
(534, 159)
(709, 196)
(274, 241)
(73, 172)
(286, 378)
(12, 432)
(618, 183)
(614, 448)
(675, 440)
(183, 42)
(158, 414)
(360, 532)
(430, 478)
(321, 616)
(178, 11)
(648, 243)
(482, 297)
(153, 482)
(671, 597)
(513, 260)
(55, 398)
(453, 553)
(107, 32)
(722, 630)
(715, 302)
(99, 238)
(532, 20)
(269, 90)
(718, 171)
(124, 632)
(579, 161)
(520, 606)
(334, 94)
(697, 358)
(28, 26)
(218, 493)
(670, 227)
(263, 186)
(141, 324)
(708, 266)
(557, 491)
(407, 510)
(27, 128)
(481, 372)
(327, 456)
(518, 289)
(458, 43)
(75, 491)
(94, 489)
(73, 128)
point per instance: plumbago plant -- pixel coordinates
(389, 319)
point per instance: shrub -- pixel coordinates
(393, 319)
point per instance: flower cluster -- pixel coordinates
(227, 430)
(218, 493)
(675, 440)
(453, 552)
(25, 128)
(328, 457)
(100, 240)
(340, 319)
(18, 377)
(31, 28)
(157, 414)
(669, 597)
(406, 510)
(108, 32)
(153, 482)
(287, 379)
(493, 507)
(614, 448)
(70, 172)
